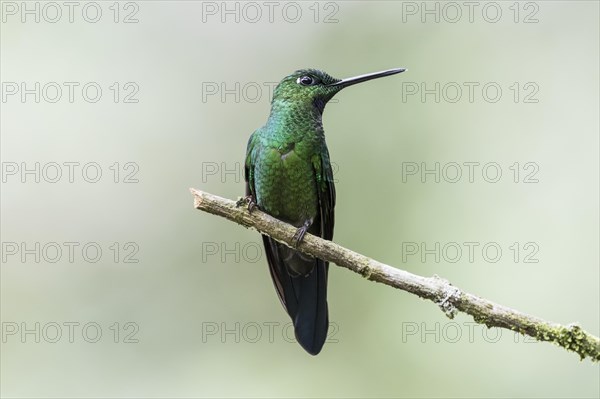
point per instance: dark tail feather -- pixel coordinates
(312, 320)
(304, 295)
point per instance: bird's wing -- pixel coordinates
(326, 192)
(249, 165)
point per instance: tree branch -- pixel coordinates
(448, 297)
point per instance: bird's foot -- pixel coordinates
(299, 234)
(248, 199)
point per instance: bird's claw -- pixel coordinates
(248, 199)
(299, 234)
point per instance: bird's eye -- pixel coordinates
(306, 80)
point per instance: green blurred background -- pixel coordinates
(200, 284)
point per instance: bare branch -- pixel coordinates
(448, 297)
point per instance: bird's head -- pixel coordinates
(314, 87)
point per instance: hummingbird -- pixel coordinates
(288, 175)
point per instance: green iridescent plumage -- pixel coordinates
(289, 176)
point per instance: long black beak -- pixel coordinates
(363, 78)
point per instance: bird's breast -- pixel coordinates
(285, 183)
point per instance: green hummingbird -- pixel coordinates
(288, 175)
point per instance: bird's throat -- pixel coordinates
(293, 116)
